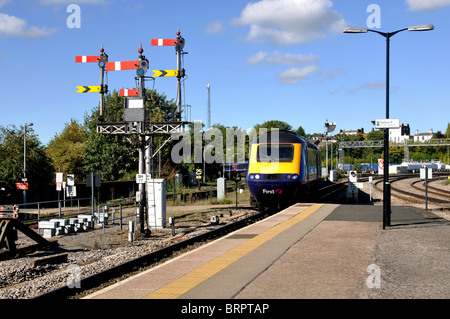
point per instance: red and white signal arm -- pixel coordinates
(129, 92)
(122, 65)
(164, 42)
(86, 58)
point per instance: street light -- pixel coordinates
(25, 160)
(386, 184)
(329, 129)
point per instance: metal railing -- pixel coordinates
(46, 210)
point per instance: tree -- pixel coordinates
(372, 154)
(274, 124)
(66, 150)
(300, 132)
(111, 156)
(115, 157)
(40, 171)
(376, 135)
(447, 131)
(438, 135)
(350, 154)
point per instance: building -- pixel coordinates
(423, 137)
(352, 132)
(400, 134)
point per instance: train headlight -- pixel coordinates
(288, 176)
(251, 176)
(295, 176)
(257, 176)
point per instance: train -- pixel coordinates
(283, 169)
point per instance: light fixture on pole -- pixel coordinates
(329, 128)
(386, 183)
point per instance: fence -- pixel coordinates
(30, 213)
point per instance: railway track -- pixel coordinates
(108, 276)
(113, 274)
(440, 196)
(432, 190)
(329, 192)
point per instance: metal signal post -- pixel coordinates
(145, 142)
(179, 45)
(136, 120)
(179, 48)
(102, 59)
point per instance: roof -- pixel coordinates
(283, 137)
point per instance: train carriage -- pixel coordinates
(283, 169)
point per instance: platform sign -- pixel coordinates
(387, 123)
(22, 186)
(134, 103)
(59, 177)
(97, 180)
(71, 179)
(141, 178)
(426, 174)
(71, 191)
(380, 166)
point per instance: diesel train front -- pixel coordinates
(283, 169)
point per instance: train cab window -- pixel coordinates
(275, 153)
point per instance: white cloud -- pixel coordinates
(331, 74)
(3, 2)
(286, 22)
(376, 86)
(257, 58)
(281, 58)
(214, 27)
(428, 5)
(294, 75)
(13, 26)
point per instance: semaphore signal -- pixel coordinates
(163, 42)
(86, 58)
(129, 92)
(122, 65)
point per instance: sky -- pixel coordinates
(284, 60)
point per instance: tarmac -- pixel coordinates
(309, 251)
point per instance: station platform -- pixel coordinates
(308, 251)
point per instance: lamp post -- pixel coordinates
(329, 129)
(25, 160)
(386, 183)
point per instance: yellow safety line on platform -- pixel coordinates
(182, 285)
